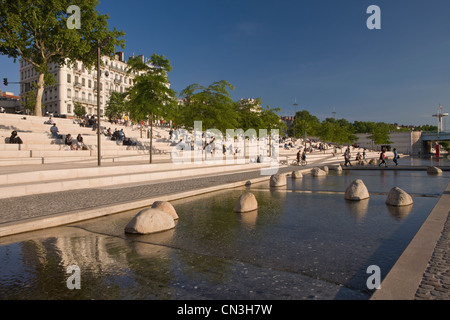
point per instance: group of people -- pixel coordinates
(119, 135)
(383, 158)
(301, 156)
(77, 144)
(74, 144)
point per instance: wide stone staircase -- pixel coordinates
(39, 147)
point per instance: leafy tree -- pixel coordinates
(79, 110)
(116, 106)
(37, 31)
(336, 131)
(212, 105)
(304, 122)
(271, 120)
(380, 134)
(427, 128)
(30, 101)
(150, 97)
(249, 114)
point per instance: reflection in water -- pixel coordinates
(150, 244)
(358, 209)
(248, 219)
(297, 245)
(399, 212)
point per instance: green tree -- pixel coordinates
(212, 105)
(150, 97)
(337, 131)
(427, 128)
(380, 134)
(271, 120)
(79, 110)
(249, 114)
(305, 123)
(116, 106)
(37, 31)
(29, 101)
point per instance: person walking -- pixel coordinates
(347, 158)
(396, 157)
(383, 159)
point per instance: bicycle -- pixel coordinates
(300, 163)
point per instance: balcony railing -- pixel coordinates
(86, 101)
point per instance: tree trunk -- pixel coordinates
(40, 92)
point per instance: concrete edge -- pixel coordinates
(57, 220)
(24, 189)
(403, 280)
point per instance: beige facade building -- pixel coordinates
(405, 142)
(78, 84)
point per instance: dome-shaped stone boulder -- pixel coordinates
(166, 207)
(150, 220)
(434, 170)
(356, 191)
(246, 202)
(317, 172)
(278, 180)
(297, 174)
(398, 197)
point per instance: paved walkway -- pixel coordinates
(435, 283)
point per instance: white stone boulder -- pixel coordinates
(373, 162)
(317, 172)
(356, 191)
(278, 180)
(325, 168)
(398, 197)
(166, 207)
(246, 202)
(297, 174)
(434, 170)
(150, 220)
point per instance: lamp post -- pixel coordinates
(99, 151)
(100, 45)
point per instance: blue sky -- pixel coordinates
(319, 52)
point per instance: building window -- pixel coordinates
(83, 82)
(69, 108)
(69, 93)
(89, 83)
(69, 78)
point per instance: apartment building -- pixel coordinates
(78, 84)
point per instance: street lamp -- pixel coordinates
(100, 45)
